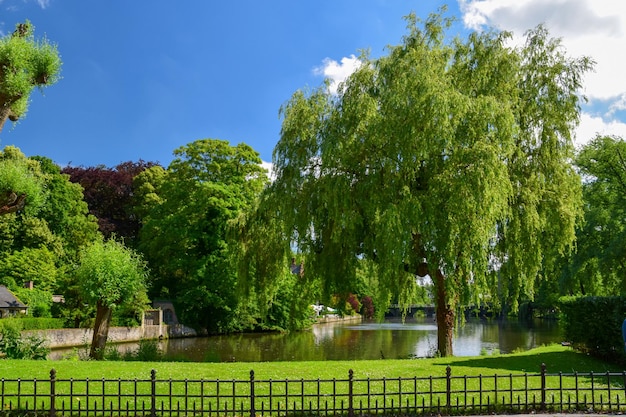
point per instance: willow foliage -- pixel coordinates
(442, 157)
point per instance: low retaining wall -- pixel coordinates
(333, 318)
(58, 338)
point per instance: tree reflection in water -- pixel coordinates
(367, 340)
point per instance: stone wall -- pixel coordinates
(59, 338)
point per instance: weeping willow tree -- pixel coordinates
(25, 63)
(447, 158)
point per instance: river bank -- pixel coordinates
(70, 338)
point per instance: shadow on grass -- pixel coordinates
(568, 361)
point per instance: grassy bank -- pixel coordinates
(557, 359)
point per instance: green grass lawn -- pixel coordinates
(557, 359)
(84, 384)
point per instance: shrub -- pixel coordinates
(353, 302)
(594, 324)
(36, 323)
(148, 351)
(367, 307)
(14, 346)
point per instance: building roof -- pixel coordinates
(8, 300)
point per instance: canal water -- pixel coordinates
(363, 340)
(391, 339)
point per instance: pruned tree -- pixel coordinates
(447, 158)
(110, 275)
(25, 63)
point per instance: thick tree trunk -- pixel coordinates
(100, 331)
(445, 317)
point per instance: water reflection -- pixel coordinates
(367, 340)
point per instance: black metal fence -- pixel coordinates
(447, 394)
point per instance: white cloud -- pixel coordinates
(337, 72)
(270, 170)
(11, 6)
(574, 18)
(593, 28)
(617, 105)
(591, 126)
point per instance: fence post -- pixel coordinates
(252, 409)
(53, 378)
(350, 393)
(448, 387)
(153, 393)
(543, 387)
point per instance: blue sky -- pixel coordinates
(142, 78)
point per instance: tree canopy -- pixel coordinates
(110, 276)
(21, 182)
(185, 232)
(598, 267)
(25, 63)
(109, 193)
(447, 158)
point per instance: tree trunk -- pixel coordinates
(100, 331)
(445, 317)
(4, 115)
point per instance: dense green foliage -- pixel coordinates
(39, 243)
(446, 158)
(33, 323)
(14, 346)
(25, 63)
(111, 276)
(21, 182)
(599, 265)
(594, 324)
(110, 195)
(186, 211)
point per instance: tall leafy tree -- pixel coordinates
(447, 158)
(111, 275)
(25, 63)
(40, 238)
(185, 228)
(599, 265)
(65, 210)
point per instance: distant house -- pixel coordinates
(9, 303)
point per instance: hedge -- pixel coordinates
(594, 324)
(33, 323)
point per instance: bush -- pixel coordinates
(594, 324)
(353, 303)
(148, 351)
(367, 307)
(35, 323)
(14, 346)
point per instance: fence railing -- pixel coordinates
(419, 395)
